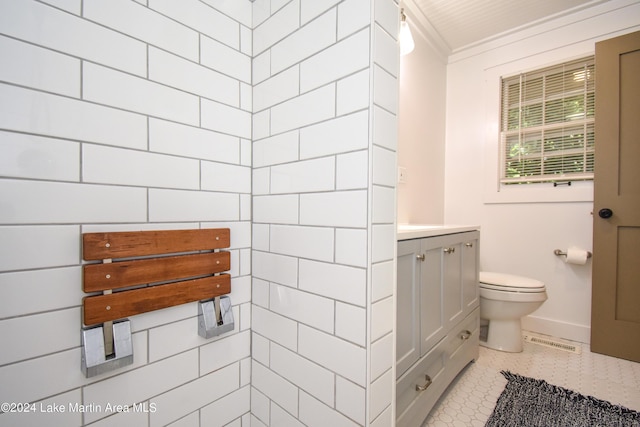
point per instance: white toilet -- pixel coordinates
(504, 300)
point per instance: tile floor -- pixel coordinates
(472, 396)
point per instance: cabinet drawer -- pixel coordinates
(467, 331)
(442, 364)
(414, 389)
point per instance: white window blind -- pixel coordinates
(547, 124)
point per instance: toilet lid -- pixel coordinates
(509, 282)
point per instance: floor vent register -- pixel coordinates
(553, 343)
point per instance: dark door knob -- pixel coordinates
(605, 213)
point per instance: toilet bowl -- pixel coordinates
(504, 300)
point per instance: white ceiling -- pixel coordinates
(461, 23)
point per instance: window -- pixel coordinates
(547, 124)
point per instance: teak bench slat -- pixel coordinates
(104, 308)
(116, 275)
(99, 246)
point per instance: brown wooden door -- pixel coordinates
(615, 309)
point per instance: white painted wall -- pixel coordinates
(522, 226)
(421, 130)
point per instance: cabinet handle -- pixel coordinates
(449, 250)
(426, 385)
(469, 245)
(420, 257)
(465, 335)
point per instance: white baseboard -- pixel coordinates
(558, 329)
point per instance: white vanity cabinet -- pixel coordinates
(437, 318)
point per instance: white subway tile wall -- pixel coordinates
(49, 27)
(314, 413)
(20, 71)
(260, 409)
(337, 61)
(350, 400)
(193, 142)
(205, 19)
(275, 118)
(39, 113)
(121, 115)
(120, 90)
(351, 323)
(324, 212)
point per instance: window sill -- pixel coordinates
(544, 192)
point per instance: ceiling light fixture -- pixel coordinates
(405, 38)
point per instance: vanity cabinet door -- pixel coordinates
(431, 315)
(408, 305)
(452, 281)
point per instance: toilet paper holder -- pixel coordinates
(558, 252)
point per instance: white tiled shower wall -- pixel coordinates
(324, 132)
(123, 115)
(116, 115)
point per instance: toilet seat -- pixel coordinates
(510, 283)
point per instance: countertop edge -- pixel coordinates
(432, 231)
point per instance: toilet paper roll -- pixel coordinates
(577, 256)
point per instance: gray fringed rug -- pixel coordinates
(536, 403)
